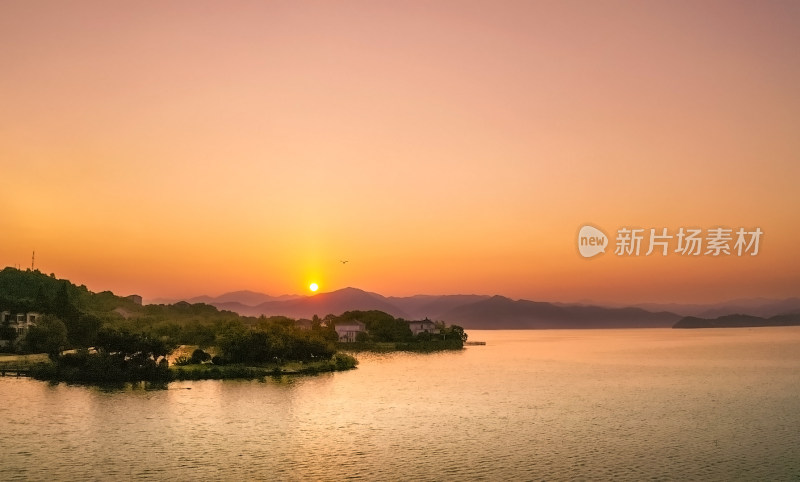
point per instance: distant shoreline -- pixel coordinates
(738, 321)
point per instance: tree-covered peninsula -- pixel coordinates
(101, 337)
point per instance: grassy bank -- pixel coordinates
(208, 371)
(23, 362)
(98, 371)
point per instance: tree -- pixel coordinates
(7, 332)
(389, 330)
(131, 356)
(199, 356)
(127, 345)
(41, 303)
(49, 336)
(82, 330)
(202, 334)
(62, 305)
(459, 332)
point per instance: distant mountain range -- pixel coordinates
(243, 297)
(489, 312)
(761, 307)
(739, 321)
(499, 312)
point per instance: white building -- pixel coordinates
(19, 322)
(348, 330)
(423, 326)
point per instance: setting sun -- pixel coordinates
(313, 287)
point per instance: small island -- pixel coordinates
(103, 338)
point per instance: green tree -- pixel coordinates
(199, 356)
(7, 332)
(62, 305)
(128, 345)
(41, 303)
(389, 329)
(458, 332)
(82, 330)
(49, 335)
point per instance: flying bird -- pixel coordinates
(344, 261)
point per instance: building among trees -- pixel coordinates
(349, 330)
(422, 326)
(15, 326)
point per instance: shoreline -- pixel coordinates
(54, 372)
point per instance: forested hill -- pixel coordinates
(131, 342)
(84, 312)
(23, 291)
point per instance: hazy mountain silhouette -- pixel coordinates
(244, 297)
(431, 306)
(761, 307)
(491, 312)
(499, 312)
(738, 321)
(469, 311)
(335, 302)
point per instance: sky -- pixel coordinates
(179, 148)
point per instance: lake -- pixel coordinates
(717, 404)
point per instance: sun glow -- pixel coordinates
(313, 287)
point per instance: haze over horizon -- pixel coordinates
(439, 147)
(336, 290)
(584, 301)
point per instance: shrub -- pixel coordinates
(343, 361)
(199, 356)
(182, 361)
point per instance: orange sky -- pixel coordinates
(182, 148)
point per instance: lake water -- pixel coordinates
(546, 405)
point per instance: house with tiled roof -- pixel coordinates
(349, 330)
